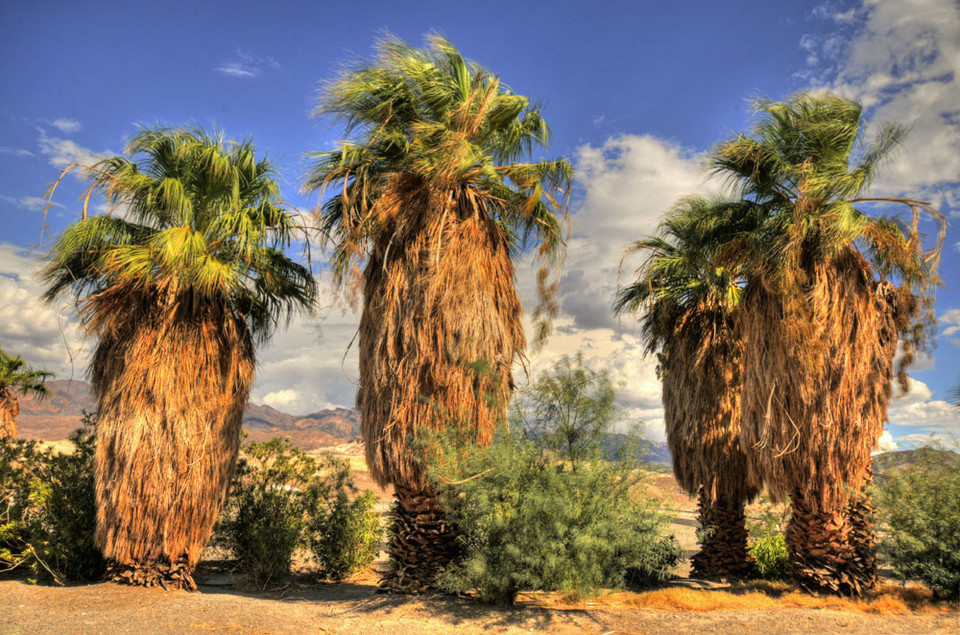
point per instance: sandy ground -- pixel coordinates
(357, 608)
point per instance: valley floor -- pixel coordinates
(358, 608)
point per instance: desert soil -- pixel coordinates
(358, 608)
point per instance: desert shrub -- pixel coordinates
(767, 545)
(47, 509)
(346, 535)
(919, 509)
(283, 500)
(546, 507)
(266, 515)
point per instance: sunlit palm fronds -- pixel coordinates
(17, 377)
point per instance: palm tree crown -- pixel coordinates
(15, 374)
(429, 119)
(199, 221)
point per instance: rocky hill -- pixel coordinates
(60, 413)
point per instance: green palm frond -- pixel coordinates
(807, 165)
(688, 269)
(431, 114)
(16, 374)
(194, 215)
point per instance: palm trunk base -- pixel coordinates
(421, 542)
(863, 539)
(723, 550)
(832, 551)
(169, 576)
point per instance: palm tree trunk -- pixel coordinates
(863, 537)
(421, 541)
(171, 396)
(9, 409)
(723, 549)
(833, 549)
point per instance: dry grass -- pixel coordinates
(171, 377)
(439, 297)
(758, 596)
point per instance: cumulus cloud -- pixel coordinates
(46, 335)
(63, 152)
(886, 443)
(245, 65)
(66, 126)
(900, 58)
(950, 322)
(931, 418)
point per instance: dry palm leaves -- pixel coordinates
(172, 383)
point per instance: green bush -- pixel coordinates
(346, 536)
(47, 509)
(768, 546)
(283, 500)
(265, 518)
(920, 514)
(546, 508)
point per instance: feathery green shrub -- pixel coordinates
(536, 511)
(919, 509)
(47, 510)
(283, 500)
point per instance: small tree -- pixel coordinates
(549, 507)
(569, 409)
(920, 509)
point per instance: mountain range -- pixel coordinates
(61, 412)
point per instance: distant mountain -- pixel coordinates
(60, 413)
(889, 463)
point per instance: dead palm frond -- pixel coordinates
(177, 291)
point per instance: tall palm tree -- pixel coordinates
(179, 286)
(821, 320)
(431, 198)
(16, 376)
(687, 299)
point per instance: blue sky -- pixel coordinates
(635, 93)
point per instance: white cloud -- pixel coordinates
(31, 203)
(932, 418)
(45, 335)
(950, 321)
(902, 61)
(17, 152)
(282, 399)
(66, 126)
(63, 152)
(886, 443)
(246, 65)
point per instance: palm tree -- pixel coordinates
(179, 286)
(16, 376)
(821, 320)
(687, 300)
(431, 198)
